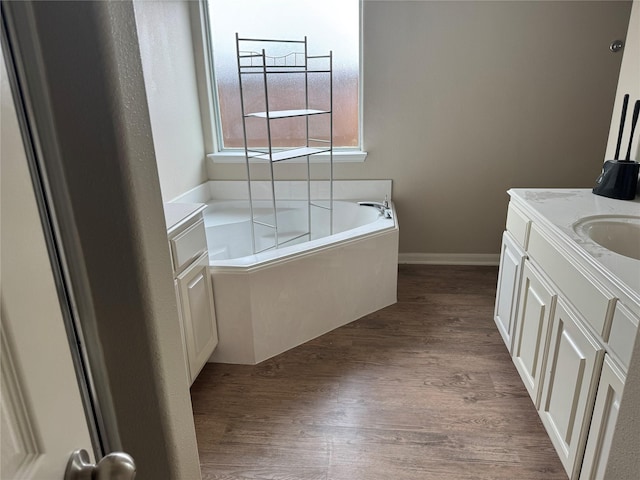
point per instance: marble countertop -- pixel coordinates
(561, 209)
(176, 213)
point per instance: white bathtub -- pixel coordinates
(229, 229)
(270, 302)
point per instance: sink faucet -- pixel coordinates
(383, 207)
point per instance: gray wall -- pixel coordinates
(463, 100)
(164, 35)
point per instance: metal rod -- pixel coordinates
(265, 249)
(263, 223)
(306, 106)
(320, 206)
(331, 142)
(269, 40)
(258, 155)
(266, 109)
(282, 71)
(296, 237)
(246, 147)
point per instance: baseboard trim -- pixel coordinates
(449, 258)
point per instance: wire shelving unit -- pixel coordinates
(257, 65)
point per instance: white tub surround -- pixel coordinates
(267, 309)
(355, 190)
(270, 302)
(568, 310)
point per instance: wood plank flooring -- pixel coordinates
(423, 389)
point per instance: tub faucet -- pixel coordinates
(383, 207)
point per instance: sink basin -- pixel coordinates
(618, 233)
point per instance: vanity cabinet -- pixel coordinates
(532, 325)
(194, 291)
(570, 328)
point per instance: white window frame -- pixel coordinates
(207, 91)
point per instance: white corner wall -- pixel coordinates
(81, 74)
(624, 461)
(164, 35)
(628, 82)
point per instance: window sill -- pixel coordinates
(339, 156)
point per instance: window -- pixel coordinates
(328, 25)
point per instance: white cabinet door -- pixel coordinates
(198, 314)
(511, 259)
(574, 362)
(603, 421)
(529, 344)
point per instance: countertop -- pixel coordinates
(560, 209)
(177, 213)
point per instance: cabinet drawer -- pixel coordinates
(623, 334)
(188, 245)
(593, 302)
(518, 224)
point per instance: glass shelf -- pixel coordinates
(287, 113)
(292, 153)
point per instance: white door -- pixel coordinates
(42, 416)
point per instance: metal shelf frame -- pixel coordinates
(295, 62)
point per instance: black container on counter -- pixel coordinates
(619, 179)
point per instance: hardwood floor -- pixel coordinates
(423, 389)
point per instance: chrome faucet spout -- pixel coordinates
(382, 207)
(378, 205)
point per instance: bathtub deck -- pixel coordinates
(423, 389)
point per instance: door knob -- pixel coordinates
(115, 466)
